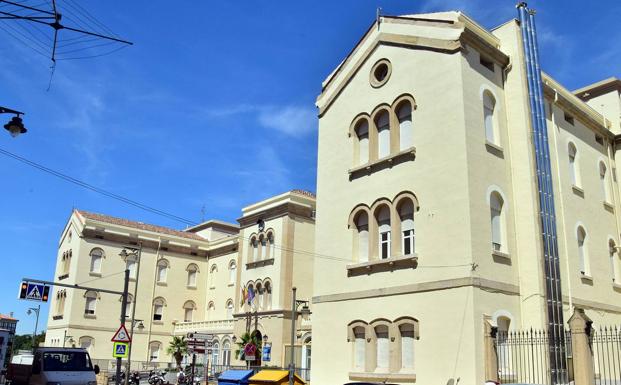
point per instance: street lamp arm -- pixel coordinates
(5, 110)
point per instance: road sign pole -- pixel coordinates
(131, 329)
(193, 365)
(119, 361)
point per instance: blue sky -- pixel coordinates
(213, 106)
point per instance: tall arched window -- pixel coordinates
(212, 276)
(96, 259)
(382, 123)
(489, 118)
(362, 134)
(226, 353)
(270, 245)
(383, 348)
(229, 309)
(407, 331)
(232, 271)
(131, 266)
(90, 302)
(362, 227)
(263, 242)
(359, 348)
(215, 355)
(496, 205)
(192, 273)
(154, 351)
(504, 350)
(406, 215)
(211, 309)
(259, 296)
(615, 262)
(254, 248)
(87, 343)
(188, 311)
(162, 270)
(383, 225)
(268, 295)
(605, 183)
(158, 309)
(583, 252)
(574, 170)
(406, 129)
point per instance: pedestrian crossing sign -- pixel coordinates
(120, 350)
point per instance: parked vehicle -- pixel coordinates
(157, 377)
(134, 378)
(67, 366)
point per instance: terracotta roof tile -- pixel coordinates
(139, 225)
(6, 317)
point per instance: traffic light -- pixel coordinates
(23, 290)
(46, 292)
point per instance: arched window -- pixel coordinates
(362, 135)
(496, 205)
(215, 354)
(383, 348)
(87, 343)
(603, 177)
(406, 129)
(229, 309)
(254, 247)
(267, 305)
(504, 350)
(406, 215)
(362, 228)
(270, 245)
(192, 273)
(158, 309)
(251, 293)
(383, 225)
(212, 276)
(131, 266)
(615, 262)
(407, 333)
(583, 252)
(226, 353)
(263, 242)
(574, 170)
(382, 123)
(489, 118)
(211, 309)
(359, 348)
(90, 302)
(259, 294)
(232, 272)
(188, 311)
(162, 270)
(154, 351)
(96, 259)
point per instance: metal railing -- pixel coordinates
(225, 325)
(606, 348)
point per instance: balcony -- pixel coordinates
(217, 326)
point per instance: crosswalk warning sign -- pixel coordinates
(121, 335)
(120, 350)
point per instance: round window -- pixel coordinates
(380, 73)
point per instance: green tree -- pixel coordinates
(178, 348)
(245, 339)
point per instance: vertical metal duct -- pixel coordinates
(547, 215)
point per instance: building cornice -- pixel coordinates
(287, 208)
(599, 88)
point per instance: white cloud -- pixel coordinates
(289, 120)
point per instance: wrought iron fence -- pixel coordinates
(524, 357)
(606, 348)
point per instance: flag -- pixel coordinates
(250, 295)
(244, 295)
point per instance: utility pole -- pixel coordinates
(34, 335)
(294, 315)
(131, 330)
(119, 361)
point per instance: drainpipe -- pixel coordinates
(157, 254)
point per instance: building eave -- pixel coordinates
(598, 88)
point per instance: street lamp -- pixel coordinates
(34, 335)
(125, 254)
(305, 312)
(15, 126)
(69, 339)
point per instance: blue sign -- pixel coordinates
(267, 352)
(34, 292)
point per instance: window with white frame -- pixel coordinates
(574, 173)
(268, 295)
(383, 222)
(232, 272)
(407, 332)
(211, 309)
(605, 183)
(162, 270)
(497, 215)
(259, 296)
(229, 309)
(90, 302)
(96, 259)
(192, 273)
(362, 229)
(212, 276)
(270, 245)
(188, 311)
(383, 348)
(158, 309)
(489, 118)
(215, 353)
(226, 353)
(583, 253)
(359, 348)
(254, 246)
(154, 351)
(406, 214)
(86, 343)
(131, 266)
(362, 134)
(406, 129)
(263, 243)
(382, 123)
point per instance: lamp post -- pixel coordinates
(125, 254)
(295, 304)
(15, 126)
(34, 335)
(67, 338)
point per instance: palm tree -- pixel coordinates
(178, 348)
(245, 339)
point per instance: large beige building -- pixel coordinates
(428, 200)
(187, 281)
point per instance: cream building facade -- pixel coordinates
(428, 202)
(187, 281)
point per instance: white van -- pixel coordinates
(55, 366)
